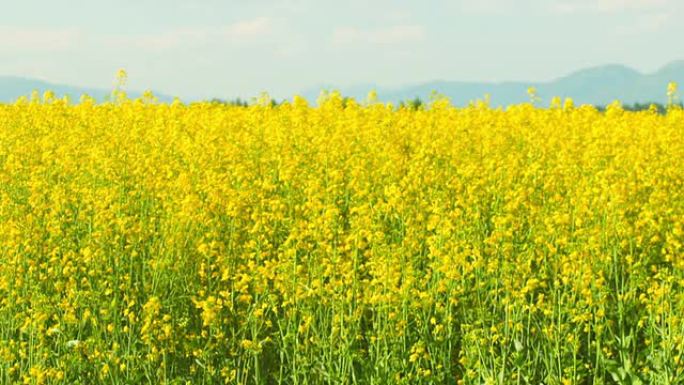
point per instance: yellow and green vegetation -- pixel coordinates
(342, 243)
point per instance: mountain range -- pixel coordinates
(597, 85)
(14, 87)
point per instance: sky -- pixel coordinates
(226, 48)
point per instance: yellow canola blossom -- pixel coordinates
(345, 242)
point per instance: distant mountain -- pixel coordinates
(12, 88)
(597, 85)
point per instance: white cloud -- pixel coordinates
(621, 5)
(646, 23)
(245, 30)
(248, 28)
(608, 6)
(488, 6)
(165, 40)
(292, 48)
(385, 36)
(38, 39)
(397, 15)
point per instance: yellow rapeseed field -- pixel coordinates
(340, 243)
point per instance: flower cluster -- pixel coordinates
(340, 243)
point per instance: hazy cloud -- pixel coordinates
(397, 34)
(488, 6)
(245, 30)
(608, 6)
(619, 5)
(38, 39)
(649, 22)
(248, 28)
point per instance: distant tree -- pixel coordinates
(346, 100)
(413, 104)
(233, 102)
(659, 108)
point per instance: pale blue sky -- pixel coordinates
(198, 49)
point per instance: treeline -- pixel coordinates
(657, 107)
(417, 103)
